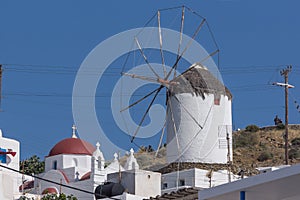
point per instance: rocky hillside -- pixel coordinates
(252, 147)
(265, 146)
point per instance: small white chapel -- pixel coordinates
(78, 164)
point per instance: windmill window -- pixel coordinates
(217, 101)
(165, 186)
(181, 182)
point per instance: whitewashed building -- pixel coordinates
(281, 184)
(9, 157)
(75, 163)
(196, 178)
(76, 167)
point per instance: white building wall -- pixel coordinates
(126, 196)
(193, 144)
(57, 176)
(82, 162)
(50, 160)
(147, 183)
(9, 181)
(139, 182)
(194, 178)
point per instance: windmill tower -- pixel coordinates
(199, 118)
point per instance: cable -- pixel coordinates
(67, 186)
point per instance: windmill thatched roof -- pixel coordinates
(198, 81)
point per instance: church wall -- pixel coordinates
(56, 176)
(49, 162)
(82, 162)
(79, 161)
(86, 185)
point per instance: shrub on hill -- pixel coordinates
(252, 128)
(246, 139)
(280, 126)
(266, 155)
(294, 154)
(296, 142)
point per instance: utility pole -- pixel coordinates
(286, 85)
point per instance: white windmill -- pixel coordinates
(198, 115)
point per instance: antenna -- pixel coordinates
(286, 85)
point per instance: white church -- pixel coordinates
(76, 163)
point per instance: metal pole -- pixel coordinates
(286, 118)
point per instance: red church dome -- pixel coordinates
(50, 190)
(72, 146)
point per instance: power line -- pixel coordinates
(58, 69)
(57, 183)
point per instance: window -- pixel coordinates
(54, 164)
(74, 162)
(181, 182)
(165, 186)
(99, 163)
(217, 101)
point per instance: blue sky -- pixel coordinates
(42, 45)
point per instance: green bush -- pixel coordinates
(32, 165)
(58, 197)
(266, 155)
(294, 154)
(280, 126)
(296, 142)
(252, 128)
(25, 198)
(246, 139)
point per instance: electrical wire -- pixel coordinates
(57, 183)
